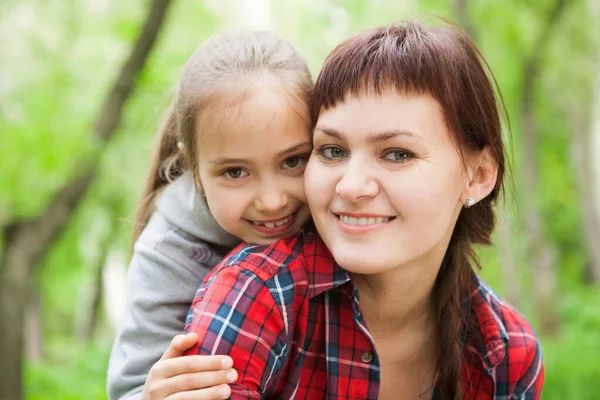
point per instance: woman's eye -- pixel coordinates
(333, 152)
(235, 173)
(293, 162)
(399, 155)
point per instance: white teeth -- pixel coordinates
(271, 225)
(362, 220)
(349, 220)
(285, 221)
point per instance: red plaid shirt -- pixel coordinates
(288, 315)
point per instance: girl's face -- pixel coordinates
(385, 182)
(252, 164)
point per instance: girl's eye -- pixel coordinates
(333, 152)
(235, 173)
(293, 162)
(399, 156)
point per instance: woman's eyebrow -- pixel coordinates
(372, 138)
(387, 135)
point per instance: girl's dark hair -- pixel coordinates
(219, 73)
(444, 63)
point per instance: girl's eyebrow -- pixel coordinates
(294, 148)
(223, 160)
(289, 150)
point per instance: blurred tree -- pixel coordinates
(89, 302)
(461, 12)
(543, 260)
(508, 259)
(26, 242)
(585, 123)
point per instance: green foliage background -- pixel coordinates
(58, 58)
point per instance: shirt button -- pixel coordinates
(366, 357)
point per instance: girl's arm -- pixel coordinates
(235, 314)
(167, 267)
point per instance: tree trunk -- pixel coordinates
(88, 309)
(591, 150)
(461, 12)
(34, 327)
(541, 254)
(580, 158)
(27, 242)
(508, 257)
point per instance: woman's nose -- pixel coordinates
(357, 183)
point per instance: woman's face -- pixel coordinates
(385, 182)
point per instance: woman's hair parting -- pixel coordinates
(221, 71)
(440, 61)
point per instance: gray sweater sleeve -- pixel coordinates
(170, 259)
(167, 267)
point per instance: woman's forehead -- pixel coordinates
(388, 111)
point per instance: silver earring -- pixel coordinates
(470, 202)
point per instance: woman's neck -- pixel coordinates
(399, 299)
(400, 314)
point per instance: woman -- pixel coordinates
(383, 302)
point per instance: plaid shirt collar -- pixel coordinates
(323, 272)
(490, 340)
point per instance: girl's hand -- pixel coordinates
(174, 377)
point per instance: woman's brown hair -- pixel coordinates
(440, 61)
(219, 73)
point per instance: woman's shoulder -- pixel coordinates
(507, 342)
(494, 311)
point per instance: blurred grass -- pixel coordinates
(69, 372)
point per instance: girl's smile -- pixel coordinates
(275, 227)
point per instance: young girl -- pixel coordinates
(234, 146)
(383, 302)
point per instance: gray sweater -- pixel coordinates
(175, 251)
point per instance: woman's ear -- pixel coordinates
(482, 177)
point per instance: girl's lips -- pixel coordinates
(273, 228)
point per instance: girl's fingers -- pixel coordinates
(213, 393)
(190, 383)
(190, 364)
(200, 380)
(179, 345)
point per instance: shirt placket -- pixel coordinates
(345, 365)
(367, 356)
